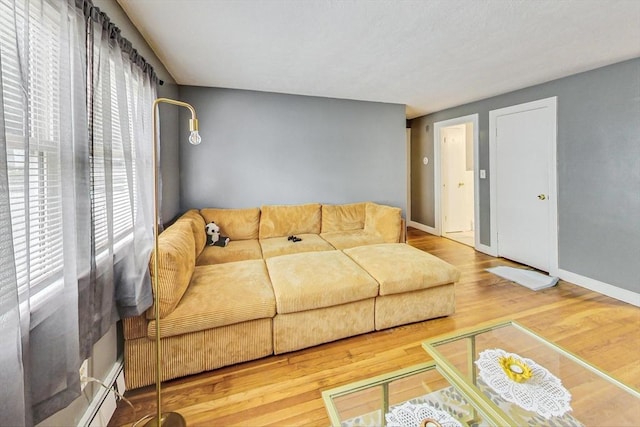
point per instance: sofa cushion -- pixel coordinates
(350, 239)
(176, 262)
(384, 220)
(276, 246)
(343, 217)
(311, 280)
(237, 224)
(285, 220)
(197, 226)
(236, 250)
(399, 267)
(220, 295)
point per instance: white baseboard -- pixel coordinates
(601, 287)
(103, 405)
(422, 227)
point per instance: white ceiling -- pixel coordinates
(429, 54)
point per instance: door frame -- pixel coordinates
(550, 103)
(437, 173)
(408, 160)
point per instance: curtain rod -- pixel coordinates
(96, 15)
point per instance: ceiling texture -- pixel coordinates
(426, 54)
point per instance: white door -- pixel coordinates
(455, 180)
(524, 174)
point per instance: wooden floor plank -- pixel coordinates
(286, 389)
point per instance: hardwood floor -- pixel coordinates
(285, 390)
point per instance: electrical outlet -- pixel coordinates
(84, 373)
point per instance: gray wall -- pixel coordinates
(168, 117)
(266, 148)
(598, 144)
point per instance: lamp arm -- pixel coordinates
(175, 102)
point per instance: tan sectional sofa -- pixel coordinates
(263, 294)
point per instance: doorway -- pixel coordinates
(455, 152)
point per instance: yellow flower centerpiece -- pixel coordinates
(515, 369)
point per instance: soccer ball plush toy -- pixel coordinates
(214, 238)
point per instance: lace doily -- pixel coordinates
(523, 382)
(413, 415)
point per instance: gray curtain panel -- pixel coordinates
(12, 410)
(76, 221)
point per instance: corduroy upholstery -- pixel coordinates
(176, 262)
(383, 220)
(351, 238)
(264, 294)
(399, 267)
(237, 224)
(293, 331)
(276, 246)
(210, 301)
(286, 220)
(408, 307)
(196, 351)
(358, 224)
(349, 217)
(197, 225)
(236, 250)
(318, 279)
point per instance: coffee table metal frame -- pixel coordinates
(468, 387)
(481, 404)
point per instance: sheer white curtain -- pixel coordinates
(120, 93)
(75, 196)
(44, 122)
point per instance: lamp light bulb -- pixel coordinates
(194, 138)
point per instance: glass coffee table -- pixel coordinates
(365, 403)
(520, 378)
(502, 374)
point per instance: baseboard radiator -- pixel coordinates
(103, 405)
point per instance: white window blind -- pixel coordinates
(32, 121)
(32, 91)
(112, 184)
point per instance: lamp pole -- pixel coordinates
(169, 419)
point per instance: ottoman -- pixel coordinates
(414, 285)
(320, 297)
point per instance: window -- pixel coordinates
(32, 122)
(113, 173)
(34, 53)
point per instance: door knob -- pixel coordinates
(542, 196)
(460, 184)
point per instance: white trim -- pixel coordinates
(422, 227)
(99, 413)
(437, 171)
(601, 287)
(408, 212)
(486, 249)
(550, 103)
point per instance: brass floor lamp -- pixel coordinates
(168, 419)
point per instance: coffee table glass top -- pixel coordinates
(520, 378)
(403, 392)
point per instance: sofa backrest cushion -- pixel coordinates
(197, 226)
(286, 220)
(237, 224)
(343, 217)
(176, 263)
(384, 220)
